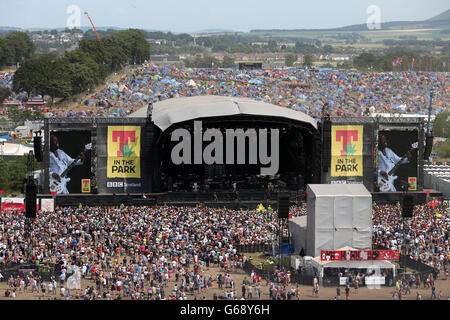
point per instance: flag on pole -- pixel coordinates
(397, 61)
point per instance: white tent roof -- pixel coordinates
(382, 264)
(356, 189)
(14, 149)
(175, 110)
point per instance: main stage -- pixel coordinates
(420, 197)
(137, 160)
(247, 199)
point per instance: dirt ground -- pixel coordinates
(325, 293)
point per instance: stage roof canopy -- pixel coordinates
(175, 110)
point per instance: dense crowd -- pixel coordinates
(135, 252)
(349, 93)
(425, 236)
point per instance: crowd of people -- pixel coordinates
(424, 237)
(140, 252)
(135, 250)
(346, 93)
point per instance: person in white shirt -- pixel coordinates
(387, 159)
(59, 161)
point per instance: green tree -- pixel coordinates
(441, 125)
(44, 75)
(28, 76)
(366, 60)
(118, 52)
(20, 45)
(328, 49)
(127, 47)
(6, 53)
(81, 77)
(96, 50)
(37, 115)
(307, 60)
(19, 116)
(84, 72)
(139, 48)
(443, 149)
(210, 62)
(289, 60)
(4, 93)
(4, 178)
(302, 47)
(228, 62)
(17, 171)
(272, 46)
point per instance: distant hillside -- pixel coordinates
(439, 21)
(443, 16)
(9, 28)
(214, 31)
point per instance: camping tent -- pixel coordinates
(14, 149)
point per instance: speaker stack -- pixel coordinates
(283, 206)
(407, 205)
(30, 198)
(428, 147)
(37, 143)
(326, 138)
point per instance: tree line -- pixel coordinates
(15, 48)
(441, 128)
(83, 68)
(400, 61)
(16, 168)
(209, 62)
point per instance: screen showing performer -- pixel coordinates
(69, 161)
(397, 160)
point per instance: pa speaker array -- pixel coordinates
(37, 143)
(283, 207)
(407, 206)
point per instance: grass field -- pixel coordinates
(372, 35)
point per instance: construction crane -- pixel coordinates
(98, 37)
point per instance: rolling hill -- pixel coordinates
(440, 21)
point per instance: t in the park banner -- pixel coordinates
(124, 148)
(346, 151)
(85, 185)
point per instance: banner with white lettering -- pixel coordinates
(10, 205)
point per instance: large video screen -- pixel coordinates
(70, 162)
(397, 164)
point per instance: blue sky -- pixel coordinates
(196, 15)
